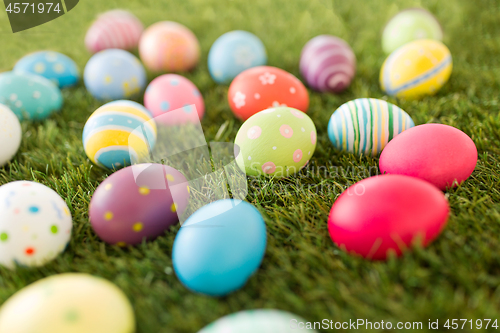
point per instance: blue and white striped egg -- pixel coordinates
(29, 96)
(366, 125)
(119, 133)
(114, 74)
(54, 66)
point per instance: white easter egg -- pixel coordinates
(10, 134)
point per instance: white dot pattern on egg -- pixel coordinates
(10, 134)
(35, 224)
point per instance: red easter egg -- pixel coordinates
(263, 87)
(440, 154)
(387, 213)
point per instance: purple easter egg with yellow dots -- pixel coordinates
(138, 202)
(171, 92)
(328, 64)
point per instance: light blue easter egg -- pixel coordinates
(29, 96)
(54, 66)
(219, 247)
(234, 52)
(114, 74)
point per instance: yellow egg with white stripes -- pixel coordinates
(119, 133)
(416, 69)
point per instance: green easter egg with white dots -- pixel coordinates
(275, 142)
(29, 96)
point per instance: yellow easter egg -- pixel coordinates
(416, 69)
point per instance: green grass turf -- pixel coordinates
(303, 272)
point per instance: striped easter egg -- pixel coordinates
(327, 63)
(118, 133)
(366, 125)
(115, 29)
(416, 69)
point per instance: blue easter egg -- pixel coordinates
(29, 96)
(114, 74)
(54, 66)
(219, 247)
(234, 52)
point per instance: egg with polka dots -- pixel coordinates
(35, 224)
(171, 92)
(138, 203)
(114, 74)
(275, 142)
(29, 96)
(54, 66)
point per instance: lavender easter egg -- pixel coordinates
(10, 134)
(169, 47)
(440, 154)
(115, 29)
(138, 203)
(55, 66)
(35, 224)
(114, 74)
(328, 63)
(170, 92)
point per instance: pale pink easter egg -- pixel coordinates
(115, 29)
(171, 92)
(440, 154)
(169, 47)
(387, 213)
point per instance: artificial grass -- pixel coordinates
(303, 272)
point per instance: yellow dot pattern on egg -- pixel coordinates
(173, 208)
(144, 190)
(66, 211)
(39, 67)
(108, 79)
(170, 177)
(108, 216)
(137, 227)
(108, 187)
(188, 189)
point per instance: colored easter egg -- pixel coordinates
(55, 66)
(118, 133)
(114, 74)
(416, 69)
(408, 25)
(10, 134)
(327, 63)
(170, 92)
(115, 29)
(276, 142)
(365, 125)
(35, 224)
(234, 52)
(440, 154)
(385, 214)
(29, 96)
(169, 47)
(70, 302)
(129, 207)
(263, 87)
(219, 247)
(261, 320)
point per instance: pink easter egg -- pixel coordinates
(387, 213)
(440, 154)
(170, 92)
(169, 47)
(116, 29)
(328, 63)
(130, 206)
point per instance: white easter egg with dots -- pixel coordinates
(10, 134)
(35, 224)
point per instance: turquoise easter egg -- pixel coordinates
(54, 66)
(29, 96)
(234, 52)
(366, 125)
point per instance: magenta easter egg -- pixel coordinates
(138, 202)
(328, 63)
(440, 154)
(171, 92)
(169, 47)
(116, 29)
(384, 214)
